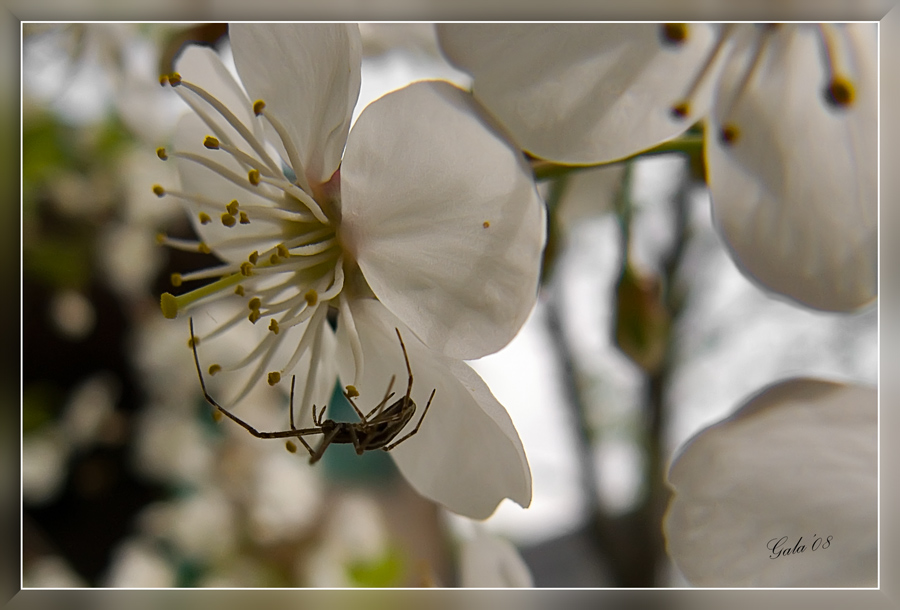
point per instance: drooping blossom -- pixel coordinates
(784, 493)
(422, 218)
(789, 114)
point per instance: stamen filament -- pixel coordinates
(300, 194)
(353, 334)
(682, 108)
(229, 116)
(289, 148)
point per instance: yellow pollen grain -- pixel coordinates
(239, 290)
(245, 220)
(680, 110)
(203, 248)
(282, 250)
(246, 269)
(228, 220)
(176, 279)
(729, 134)
(161, 153)
(254, 256)
(352, 392)
(258, 107)
(232, 207)
(254, 303)
(204, 218)
(311, 296)
(273, 326)
(291, 447)
(211, 142)
(214, 368)
(253, 176)
(274, 377)
(840, 92)
(675, 33)
(158, 190)
(486, 224)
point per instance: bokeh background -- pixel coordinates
(126, 481)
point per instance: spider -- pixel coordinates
(377, 430)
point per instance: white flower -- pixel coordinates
(790, 138)
(488, 561)
(427, 222)
(784, 493)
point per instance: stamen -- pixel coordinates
(239, 290)
(274, 377)
(316, 319)
(681, 109)
(352, 333)
(211, 143)
(290, 446)
(204, 218)
(161, 153)
(214, 368)
(175, 279)
(184, 245)
(273, 326)
(311, 297)
(840, 91)
(253, 176)
(315, 248)
(232, 207)
(296, 191)
(158, 190)
(244, 219)
(730, 131)
(289, 148)
(242, 129)
(223, 171)
(351, 391)
(171, 305)
(254, 256)
(228, 220)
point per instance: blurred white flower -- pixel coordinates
(137, 563)
(487, 561)
(428, 222)
(790, 139)
(784, 493)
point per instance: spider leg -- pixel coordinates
(380, 406)
(293, 379)
(408, 368)
(416, 429)
(325, 442)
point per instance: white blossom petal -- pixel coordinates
(582, 93)
(489, 561)
(467, 454)
(799, 460)
(309, 77)
(795, 194)
(443, 218)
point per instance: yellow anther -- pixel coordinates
(217, 416)
(729, 134)
(204, 218)
(214, 368)
(486, 224)
(161, 153)
(228, 220)
(193, 341)
(203, 248)
(840, 92)
(254, 256)
(674, 33)
(273, 326)
(282, 250)
(161, 238)
(158, 190)
(211, 142)
(311, 296)
(254, 303)
(274, 259)
(253, 176)
(164, 80)
(352, 392)
(254, 316)
(239, 290)
(176, 279)
(174, 79)
(290, 446)
(232, 207)
(680, 110)
(258, 107)
(245, 220)
(274, 377)
(246, 269)
(169, 305)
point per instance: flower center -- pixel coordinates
(292, 269)
(838, 91)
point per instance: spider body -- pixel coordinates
(378, 429)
